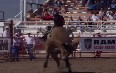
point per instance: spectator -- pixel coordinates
(46, 15)
(95, 17)
(114, 1)
(70, 20)
(91, 1)
(114, 16)
(63, 10)
(55, 10)
(98, 5)
(113, 6)
(108, 12)
(91, 6)
(30, 11)
(103, 2)
(90, 23)
(101, 14)
(110, 16)
(30, 14)
(79, 20)
(30, 42)
(109, 2)
(84, 2)
(50, 3)
(58, 3)
(38, 11)
(80, 23)
(6, 32)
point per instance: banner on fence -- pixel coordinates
(5, 44)
(98, 44)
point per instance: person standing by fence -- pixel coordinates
(5, 42)
(6, 34)
(30, 42)
(16, 47)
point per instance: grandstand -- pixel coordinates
(74, 12)
(77, 16)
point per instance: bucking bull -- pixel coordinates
(59, 42)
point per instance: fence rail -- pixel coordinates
(83, 26)
(78, 52)
(40, 50)
(41, 21)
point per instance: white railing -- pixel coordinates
(68, 21)
(72, 23)
(18, 14)
(99, 26)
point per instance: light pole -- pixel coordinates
(25, 9)
(21, 10)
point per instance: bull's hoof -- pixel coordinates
(45, 65)
(69, 71)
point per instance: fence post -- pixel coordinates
(11, 31)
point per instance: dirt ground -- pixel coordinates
(78, 65)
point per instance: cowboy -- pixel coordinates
(58, 20)
(16, 47)
(30, 42)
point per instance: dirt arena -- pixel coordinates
(78, 65)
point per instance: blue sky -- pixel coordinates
(10, 7)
